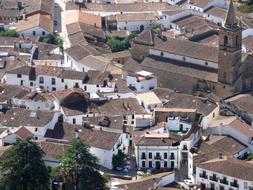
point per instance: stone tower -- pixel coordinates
(230, 45)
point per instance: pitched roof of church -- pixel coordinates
(230, 21)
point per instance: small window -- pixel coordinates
(150, 155)
(31, 83)
(41, 80)
(165, 155)
(143, 164)
(34, 33)
(66, 86)
(62, 80)
(74, 121)
(36, 129)
(53, 89)
(53, 81)
(162, 54)
(19, 75)
(43, 33)
(184, 58)
(165, 164)
(150, 164)
(206, 63)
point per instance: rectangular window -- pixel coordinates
(165, 155)
(74, 121)
(19, 75)
(150, 164)
(150, 155)
(53, 81)
(165, 164)
(34, 33)
(62, 80)
(53, 89)
(31, 83)
(41, 80)
(143, 164)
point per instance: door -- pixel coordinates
(172, 165)
(158, 165)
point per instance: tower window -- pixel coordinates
(225, 40)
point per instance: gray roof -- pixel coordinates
(188, 49)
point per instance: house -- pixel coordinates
(103, 148)
(149, 101)
(8, 92)
(35, 25)
(211, 147)
(75, 54)
(52, 149)
(155, 150)
(36, 121)
(35, 101)
(206, 108)
(216, 15)
(134, 21)
(234, 127)
(10, 136)
(51, 78)
(155, 181)
(225, 173)
(242, 105)
(202, 5)
(142, 81)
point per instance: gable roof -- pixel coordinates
(188, 49)
(37, 20)
(230, 167)
(66, 131)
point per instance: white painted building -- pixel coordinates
(136, 21)
(156, 150)
(149, 101)
(202, 5)
(233, 127)
(225, 174)
(142, 81)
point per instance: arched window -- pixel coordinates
(225, 40)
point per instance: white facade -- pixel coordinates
(191, 60)
(177, 124)
(33, 105)
(203, 177)
(206, 120)
(142, 83)
(135, 25)
(157, 157)
(34, 32)
(214, 3)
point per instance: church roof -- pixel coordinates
(230, 21)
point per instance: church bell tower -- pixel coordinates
(230, 48)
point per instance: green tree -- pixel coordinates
(23, 167)
(78, 166)
(50, 39)
(117, 45)
(119, 159)
(9, 33)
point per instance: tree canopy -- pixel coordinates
(23, 167)
(9, 33)
(78, 166)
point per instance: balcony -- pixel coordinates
(158, 157)
(224, 181)
(203, 175)
(213, 178)
(234, 184)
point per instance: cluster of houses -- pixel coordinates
(168, 102)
